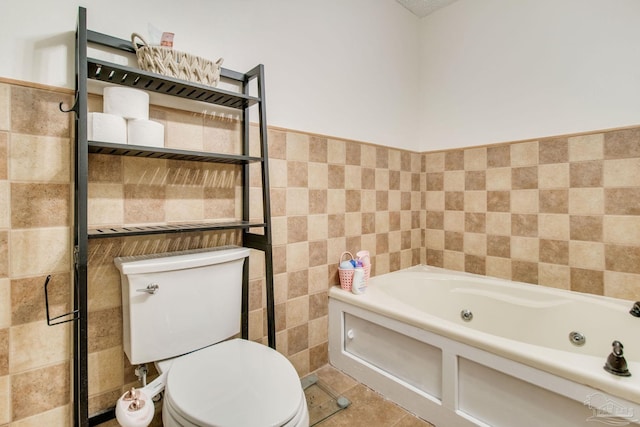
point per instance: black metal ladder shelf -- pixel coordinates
(114, 74)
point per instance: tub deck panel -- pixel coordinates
(421, 363)
(497, 399)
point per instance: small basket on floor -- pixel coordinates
(345, 274)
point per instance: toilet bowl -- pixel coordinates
(180, 311)
(234, 383)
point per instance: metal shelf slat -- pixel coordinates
(126, 76)
(143, 230)
(98, 147)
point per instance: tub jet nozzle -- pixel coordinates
(616, 363)
(635, 310)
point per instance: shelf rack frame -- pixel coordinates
(89, 68)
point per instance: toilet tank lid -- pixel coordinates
(170, 261)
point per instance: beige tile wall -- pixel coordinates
(560, 212)
(35, 218)
(330, 196)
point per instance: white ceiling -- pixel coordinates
(422, 8)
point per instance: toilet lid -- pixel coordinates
(234, 383)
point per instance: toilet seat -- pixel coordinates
(234, 383)
(171, 417)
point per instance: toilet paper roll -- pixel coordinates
(126, 102)
(107, 128)
(138, 416)
(145, 132)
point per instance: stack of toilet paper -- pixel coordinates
(125, 119)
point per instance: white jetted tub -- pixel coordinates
(460, 349)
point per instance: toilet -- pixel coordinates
(180, 311)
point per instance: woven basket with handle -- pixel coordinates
(173, 63)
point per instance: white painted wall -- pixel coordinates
(505, 70)
(344, 68)
(476, 72)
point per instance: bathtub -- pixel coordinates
(459, 349)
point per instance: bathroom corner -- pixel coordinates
(507, 152)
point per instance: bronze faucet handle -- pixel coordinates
(616, 363)
(617, 348)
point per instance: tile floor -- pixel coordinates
(367, 407)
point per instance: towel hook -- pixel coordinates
(55, 320)
(74, 108)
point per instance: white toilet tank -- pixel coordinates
(179, 302)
